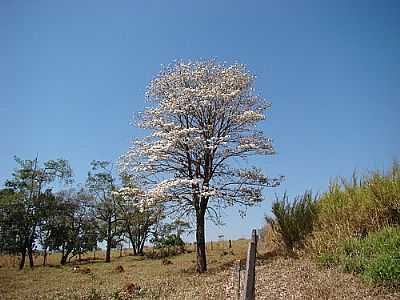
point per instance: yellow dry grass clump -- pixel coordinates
(355, 208)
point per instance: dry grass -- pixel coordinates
(276, 278)
(351, 207)
(177, 280)
(288, 278)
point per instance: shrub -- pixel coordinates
(171, 240)
(293, 221)
(376, 258)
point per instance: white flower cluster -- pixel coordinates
(203, 114)
(135, 197)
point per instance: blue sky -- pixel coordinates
(72, 73)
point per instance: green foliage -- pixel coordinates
(171, 240)
(385, 269)
(23, 214)
(72, 226)
(12, 221)
(293, 221)
(327, 259)
(169, 235)
(376, 258)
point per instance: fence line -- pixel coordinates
(248, 292)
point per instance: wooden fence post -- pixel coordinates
(250, 276)
(237, 279)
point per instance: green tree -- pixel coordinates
(47, 211)
(12, 216)
(32, 184)
(102, 184)
(170, 234)
(73, 229)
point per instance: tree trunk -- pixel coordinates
(108, 251)
(63, 259)
(30, 255)
(132, 240)
(64, 256)
(79, 251)
(44, 256)
(109, 239)
(141, 247)
(200, 242)
(22, 262)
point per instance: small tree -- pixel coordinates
(203, 118)
(170, 235)
(29, 182)
(101, 183)
(49, 211)
(73, 229)
(138, 217)
(179, 227)
(12, 220)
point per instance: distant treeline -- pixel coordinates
(75, 219)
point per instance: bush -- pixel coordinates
(293, 221)
(376, 258)
(171, 240)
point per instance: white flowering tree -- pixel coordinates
(202, 122)
(139, 218)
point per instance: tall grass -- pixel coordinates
(356, 207)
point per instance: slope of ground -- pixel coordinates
(281, 278)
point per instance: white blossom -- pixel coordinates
(202, 116)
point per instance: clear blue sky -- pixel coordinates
(72, 73)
